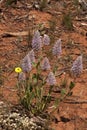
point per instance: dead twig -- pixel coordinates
(14, 34)
(72, 101)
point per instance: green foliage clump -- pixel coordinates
(43, 4)
(35, 87)
(67, 21)
(32, 91)
(10, 2)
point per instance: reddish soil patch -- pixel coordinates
(72, 114)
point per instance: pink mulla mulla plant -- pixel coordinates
(45, 64)
(36, 41)
(21, 76)
(77, 67)
(46, 39)
(57, 50)
(26, 64)
(51, 79)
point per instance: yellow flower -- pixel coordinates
(18, 70)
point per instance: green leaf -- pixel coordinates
(34, 76)
(34, 64)
(31, 88)
(43, 83)
(35, 80)
(72, 85)
(63, 91)
(50, 89)
(38, 64)
(55, 69)
(70, 94)
(56, 103)
(38, 92)
(32, 95)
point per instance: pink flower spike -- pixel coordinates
(32, 56)
(36, 41)
(51, 79)
(57, 50)
(45, 64)
(21, 76)
(77, 67)
(46, 39)
(26, 64)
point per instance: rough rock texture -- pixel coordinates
(15, 118)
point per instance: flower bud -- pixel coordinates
(51, 79)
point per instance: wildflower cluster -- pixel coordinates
(32, 84)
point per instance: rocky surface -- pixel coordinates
(17, 119)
